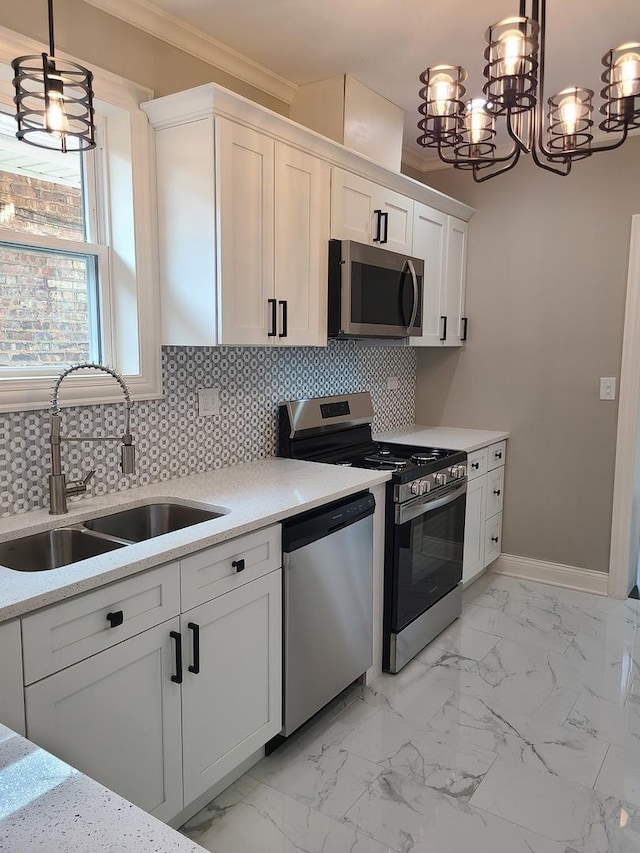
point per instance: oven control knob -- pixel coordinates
(454, 472)
(417, 487)
(462, 470)
(441, 479)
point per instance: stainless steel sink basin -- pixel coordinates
(145, 522)
(53, 549)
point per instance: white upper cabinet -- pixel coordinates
(366, 212)
(441, 241)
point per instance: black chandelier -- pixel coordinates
(54, 100)
(556, 134)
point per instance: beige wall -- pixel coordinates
(96, 37)
(545, 299)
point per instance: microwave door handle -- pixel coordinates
(416, 294)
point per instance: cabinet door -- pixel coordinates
(397, 224)
(11, 688)
(495, 491)
(474, 528)
(244, 193)
(352, 206)
(233, 705)
(493, 541)
(430, 244)
(301, 236)
(116, 717)
(456, 281)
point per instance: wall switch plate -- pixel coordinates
(208, 402)
(607, 387)
(393, 383)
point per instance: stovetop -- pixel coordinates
(405, 462)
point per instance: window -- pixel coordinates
(77, 252)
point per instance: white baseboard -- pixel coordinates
(556, 574)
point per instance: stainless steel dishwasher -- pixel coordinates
(328, 604)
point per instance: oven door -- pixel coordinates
(428, 537)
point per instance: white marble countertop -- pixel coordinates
(252, 495)
(48, 807)
(449, 438)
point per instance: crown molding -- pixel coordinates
(158, 23)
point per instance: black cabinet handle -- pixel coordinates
(465, 323)
(498, 454)
(385, 216)
(496, 492)
(494, 538)
(475, 465)
(284, 305)
(195, 666)
(116, 618)
(378, 216)
(177, 636)
(444, 328)
(274, 319)
(238, 565)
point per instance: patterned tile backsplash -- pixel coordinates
(172, 441)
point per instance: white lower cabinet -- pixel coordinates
(11, 685)
(116, 717)
(483, 517)
(233, 704)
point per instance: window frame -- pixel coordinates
(128, 267)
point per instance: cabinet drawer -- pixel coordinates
(477, 463)
(497, 455)
(495, 491)
(212, 572)
(78, 628)
(493, 541)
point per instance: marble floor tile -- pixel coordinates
(269, 822)
(467, 642)
(536, 626)
(610, 721)
(443, 761)
(559, 594)
(218, 808)
(620, 773)
(408, 817)
(563, 811)
(407, 694)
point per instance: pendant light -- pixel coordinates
(555, 133)
(54, 100)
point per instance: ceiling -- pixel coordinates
(386, 44)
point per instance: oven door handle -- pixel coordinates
(416, 293)
(408, 511)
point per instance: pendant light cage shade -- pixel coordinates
(441, 105)
(512, 65)
(54, 103)
(478, 132)
(621, 92)
(569, 117)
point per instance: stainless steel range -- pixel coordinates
(425, 511)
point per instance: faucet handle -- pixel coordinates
(78, 487)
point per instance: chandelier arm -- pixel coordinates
(51, 45)
(486, 161)
(538, 162)
(515, 136)
(598, 148)
(497, 172)
(538, 109)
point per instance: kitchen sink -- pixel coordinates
(150, 520)
(53, 549)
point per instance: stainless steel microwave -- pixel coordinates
(373, 293)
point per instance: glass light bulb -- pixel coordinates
(475, 120)
(627, 75)
(569, 115)
(441, 92)
(55, 117)
(512, 48)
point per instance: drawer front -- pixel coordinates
(495, 491)
(497, 455)
(493, 542)
(477, 463)
(73, 630)
(231, 564)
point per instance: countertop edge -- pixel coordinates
(464, 439)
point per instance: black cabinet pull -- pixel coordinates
(385, 216)
(498, 454)
(444, 328)
(273, 319)
(464, 328)
(475, 465)
(116, 618)
(378, 216)
(496, 492)
(494, 538)
(177, 636)
(195, 666)
(284, 305)
(238, 565)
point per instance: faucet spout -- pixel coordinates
(59, 489)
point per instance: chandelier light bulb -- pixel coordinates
(441, 92)
(512, 49)
(569, 115)
(627, 75)
(475, 120)
(55, 116)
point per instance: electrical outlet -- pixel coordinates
(208, 402)
(393, 383)
(607, 387)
